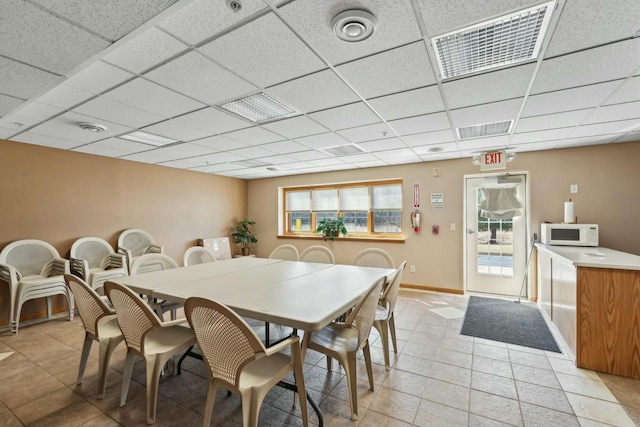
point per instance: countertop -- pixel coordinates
(593, 257)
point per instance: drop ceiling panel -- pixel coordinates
(329, 161)
(66, 127)
(266, 41)
(429, 138)
(629, 110)
(622, 126)
(323, 140)
(8, 103)
(5, 133)
(114, 147)
(403, 160)
(314, 92)
(151, 97)
(45, 140)
(178, 130)
(198, 77)
(29, 115)
(569, 99)
(581, 24)
(594, 65)
(145, 157)
(534, 146)
(251, 152)
(220, 143)
(284, 147)
(202, 19)
(98, 77)
(254, 136)
(356, 158)
(371, 164)
(309, 155)
(629, 91)
(420, 124)
(396, 154)
(396, 25)
(38, 38)
(382, 145)
(107, 109)
(478, 144)
(487, 113)
(222, 167)
(388, 72)
(406, 104)
(145, 51)
(64, 96)
(552, 121)
(440, 156)
(215, 121)
(192, 162)
(22, 81)
(584, 141)
(295, 127)
(278, 160)
(630, 137)
(489, 87)
(180, 151)
(447, 147)
(347, 116)
(366, 133)
(539, 136)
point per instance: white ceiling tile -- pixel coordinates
(98, 77)
(534, 146)
(145, 51)
(629, 110)
(8, 103)
(278, 160)
(295, 127)
(406, 104)
(569, 99)
(585, 141)
(552, 121)
(29, 115)
(5, 133)
(370, 164)
(322, 141)
(266, 41)
(382, 145)
(202, 19)
(581, 24)
(220, 143)
(148, 96)
(329, 161)
(395, 70)
(254, 136)
(629, 137)
(396, 154)
(314, 92)
(115, 147)
(33, 36)
(64, 96)
(403, 160)
(222, 167)
(192, 162)
(251, 152)
(180, 151)
(447, 147)
(506, 83)
(144, 157)
(196, 76)
(174, 128)
(429, 138)
(478, 144)
(622, 126)
(627, 92)
(587, 67)
(45, 140)
(22, 81)
(65, 127)
(540, 136)
(213, 120)
(297, 165)
(308, 155)
(433, 157)
(420, 124)
(97, 150)
(107, 109)
(357, 158)
(486, 113)
(347, 116)
(367, 133)
(284, 147)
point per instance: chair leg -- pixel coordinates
(299, 377)
(383, 329)
(126, 378)
(328, 363)
(107, 345)
(86, 349)
(350, 371)
(367, 362)
(49, 313)
(71, 302)
(392, 329)
(250, 408)
(154, 368)
(13, 327)
(208, 409)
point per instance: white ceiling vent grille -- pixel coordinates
(486, 129)
(343, 150)
(501, 41)
(148, 138)
(259, 108)
(251, 163)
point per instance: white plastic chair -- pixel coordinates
(198, 255)
(285, 253)
(342, 341)
(373, 257)
(318, 254)
(135, 242)
(156, 262)
(146, 337)
(238, 361)
(33, 269)
(100, 324)
(95, 261)
(384, 321)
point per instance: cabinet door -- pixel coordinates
(544, 282)
(563, 301)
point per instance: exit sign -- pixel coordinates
(493, 160)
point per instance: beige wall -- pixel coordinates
(59, 196)
(608, 177)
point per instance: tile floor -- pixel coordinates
(438, 378)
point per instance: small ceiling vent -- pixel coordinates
(486, 129)
(343, 150)
(148, 138)
(505, 40)
(353, 25)
(91, 127)
(251, 163)
(259, 108)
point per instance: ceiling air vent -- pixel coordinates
(148, 138)
(259, 108)
(91, 127)
(343, 150)
(486, 129)
(251, 163)
(501, 41)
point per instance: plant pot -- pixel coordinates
(246, 251)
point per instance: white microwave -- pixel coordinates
(569, 234)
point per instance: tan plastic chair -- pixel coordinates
(318, 254)
(198, 255)
(95, 261)
(156, 262)
(146, 337)
(100, 324)
(342, 341)
(238, 361)
(373, 257)
(33, 269)
(135, 242)
(384, 321)
(285, 253)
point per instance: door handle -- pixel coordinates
(470, 231)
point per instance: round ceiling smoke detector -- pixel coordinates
(92, 127)
(353, 25)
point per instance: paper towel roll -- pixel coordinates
(569, 213)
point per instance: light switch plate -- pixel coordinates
(574, 188)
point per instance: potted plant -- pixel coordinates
(331, 228)
(243, 235)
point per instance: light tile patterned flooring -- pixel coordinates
(438, 378)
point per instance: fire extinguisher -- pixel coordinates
(415, 220)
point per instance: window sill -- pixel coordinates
(352, 239)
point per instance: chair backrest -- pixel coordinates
(390, 294)
(362, 317)
(28, 256)
(226, 341)
(135, 317)
(152, 262)
(91, 249)
(136, 240)
(373, 257)
(318, 254)
(198, 255)
(91, 307)
(285, 253)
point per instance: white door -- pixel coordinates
(495, 249)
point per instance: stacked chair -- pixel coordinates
(95, 261)
(198, 255)
(135, 242)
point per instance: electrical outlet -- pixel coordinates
(436, 171)
(412, 269)
(574, 188)
(452, 226)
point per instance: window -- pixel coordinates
(372, 209)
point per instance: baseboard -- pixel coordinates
(36, 315)
(431, 288)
